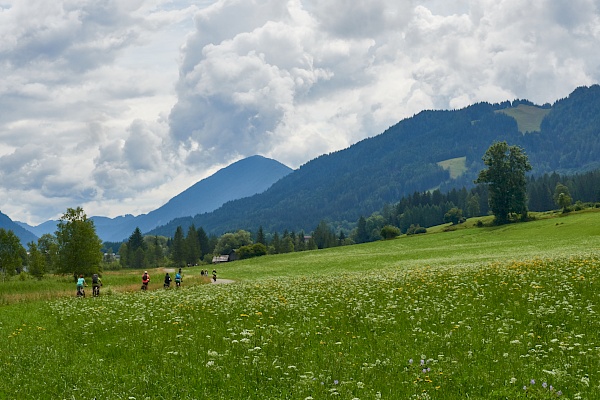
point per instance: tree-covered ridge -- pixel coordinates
(428, 209)
(359, 180)
(411, 215)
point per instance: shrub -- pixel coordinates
(251, 250)
(454, 215)
(390, 232)
(415, 230)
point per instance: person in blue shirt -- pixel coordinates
(178, 279)
(80, 285)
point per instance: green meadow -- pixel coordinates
(455, 166)
(506, 312)
(529, 118)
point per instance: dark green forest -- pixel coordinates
(428, 209)
(413, 214)
(342, 186)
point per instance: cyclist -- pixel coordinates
(214, 275)
(178, 279)
(167, 283)
(145, 280)
(96, 283)
(80, 285)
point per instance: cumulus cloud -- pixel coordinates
(120, 105)
(77, 77)
(296, 79)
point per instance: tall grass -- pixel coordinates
(505, 312)
(17, 289)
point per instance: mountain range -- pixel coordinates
(435, 149)
(241, 179)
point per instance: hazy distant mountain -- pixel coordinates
(39, 230)
(23, 234)
(434, 149)
(243, 178)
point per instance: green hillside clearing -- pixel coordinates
(456, 166)
(529, 118)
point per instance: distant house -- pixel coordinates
(220, 259)
(232, 256)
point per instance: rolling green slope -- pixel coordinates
(529, 118)
(548, 237)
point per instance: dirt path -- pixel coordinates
(220, 281)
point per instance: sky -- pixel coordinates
(117, 106)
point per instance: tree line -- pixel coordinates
(502, 189)
(73, 249)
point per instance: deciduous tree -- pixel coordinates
(11, 252)
(79, 247)
(390, 232)
(454, 215)
(36, 263)
(232, 241)
(48, 247)
(505, 177)
(562, 197)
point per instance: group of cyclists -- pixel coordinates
(97, 282)
(167, 283)
(204, 272)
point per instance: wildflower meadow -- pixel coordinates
(515, 327)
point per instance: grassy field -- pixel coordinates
(529, 118)
(480, 313)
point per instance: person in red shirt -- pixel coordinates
(145, 280)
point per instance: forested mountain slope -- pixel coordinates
(23, 234)
(344, 185)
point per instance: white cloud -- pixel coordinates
(297, 79)
(119, 105)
